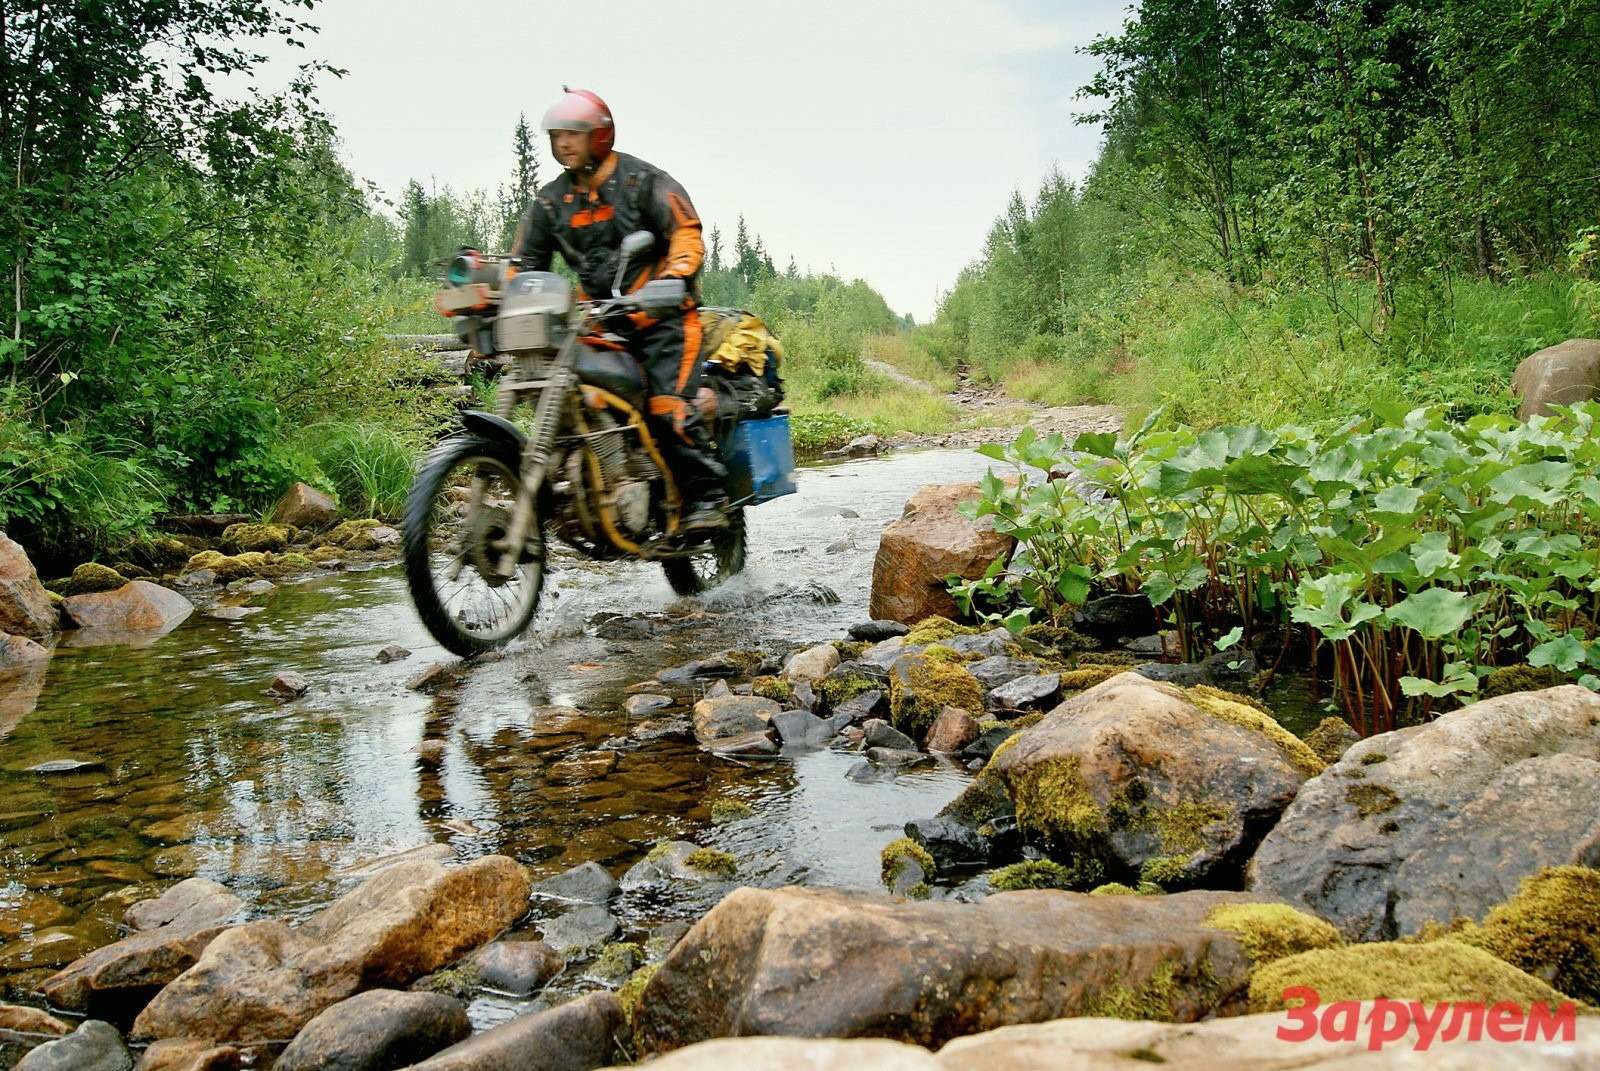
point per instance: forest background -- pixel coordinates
(1300, 209)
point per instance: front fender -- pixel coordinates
(495, 428)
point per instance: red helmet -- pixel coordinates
(583, 110)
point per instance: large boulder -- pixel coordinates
(116, 980)
(266, 980)
(1442, 820)
(25, 608)
(929, 542)
(194, 901)
(725, 716)
(94, 1046)
(832, 963)
(19, 650)
(1173, 786)
(378, 1030)
(303, 506)
(576, 1036)
(1563, 374)
(137, 606)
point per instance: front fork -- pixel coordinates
(553, 399)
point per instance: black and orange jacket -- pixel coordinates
(586, 225)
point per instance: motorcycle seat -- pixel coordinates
(612, 370)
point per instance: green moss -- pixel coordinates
(1181, 826)
(1165, 996)
(1242, 711)
(1272, 931)
(1372, 758)
(918, 691)
(712, 861)
(1369, 799)
(1055, 639)
(1026, 721)
(255, 537)
(1330, 739)
(840, 688)
(1111, 888)
(633, 989)
(898, 850)
(774, 688)
(1445, 970)
(935, 628)
(727, 810)
(618, 959)
(1052, 798)
(351, 535)
(1148, 888)
(1076, 680)
(1047, 874)
(1518, 679)
(87, 579)
(982, 801)
(1164, 870)
(460, 981)
(1550, 929)
(326, 554)
(658, 851)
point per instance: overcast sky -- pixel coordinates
(874, 138)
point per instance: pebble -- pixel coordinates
(288, 685)
(392, 653)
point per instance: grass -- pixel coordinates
(369, 465)
(897, 351)
(1212, 353)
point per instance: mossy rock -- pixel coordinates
(934, 629)
(1112, 888)
(1084, 873)
(618, 960)
(1166, 871)
(628, 996)
(1250, 714)
(896, 852)
(983, 801)
(87, 579)
(1370, 799)
(1446, 970)
(921, 686)
(727, 810)
(1057, 640)
(323, 554)
(1524, 678)
(247, 537)
(713, 861)
(845, 683)
(1331, 739)
(1053, 799)
(1270, 932)
(1088, 675)
(460, 981)
(1550, 929)
(774, 688)
(1157, 999)
(351, 535)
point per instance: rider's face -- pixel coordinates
(571, 147)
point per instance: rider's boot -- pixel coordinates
(705, 506)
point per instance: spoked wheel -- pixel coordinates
(454, 551)
(721, 557)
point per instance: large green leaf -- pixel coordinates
(1435, 613)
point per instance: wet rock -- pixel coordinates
(726, 716)
(892, 756)
(587, 883)
(195, 902)
(840, 545)
(801, 728)
(1110, 618)
(812, 664)
(379, 1030)
(1151, 780)
(1035, 692)
(860, 446)
(137, 606)
(661, 728)
(392, 653)
(19, 650)
(25, 608)
(517, 967)
(266, 980)
(953, 845)
(190, 1054)
(865, 773)
(288, 685)
(672, 862)
(1563, 374)
(996, 670)
(577, 1036)
(744, 745)
(645, 703)
(802, 695)
(983, 645)
(1182, 674)
(351, 535)
(94, 1046)
(581, 768)
(879, 733)
(718, 690)
(252, 588)
(616, 962)
(908, 879)
(1152, 646)
(817, 962)
(930, 542)
(197, 578)
(431, 753)
(1397, 833)
(952, 730)
(31, 1021)
(579, 929)
(861, 708)
(663, 938)
(845, 682)
(432, 677)
(988, 742)
(878, 630)
(885, 653)
(386, 537)
(116, 979)
(233, 613)
(303, 506)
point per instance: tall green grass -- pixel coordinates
(369, 465)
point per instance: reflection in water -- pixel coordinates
(196, 771)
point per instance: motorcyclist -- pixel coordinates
(601, 196)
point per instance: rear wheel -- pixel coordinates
(721, 557)
(453, 552)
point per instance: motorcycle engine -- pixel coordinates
(631, 500)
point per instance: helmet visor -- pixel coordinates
(572, 112)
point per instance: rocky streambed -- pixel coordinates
(305, 836)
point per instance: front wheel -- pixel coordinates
(454, 550)
(721, 557)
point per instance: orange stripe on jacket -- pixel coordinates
(587, 216)
(687, 250)
(691, 348)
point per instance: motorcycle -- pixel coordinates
(567, 453)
